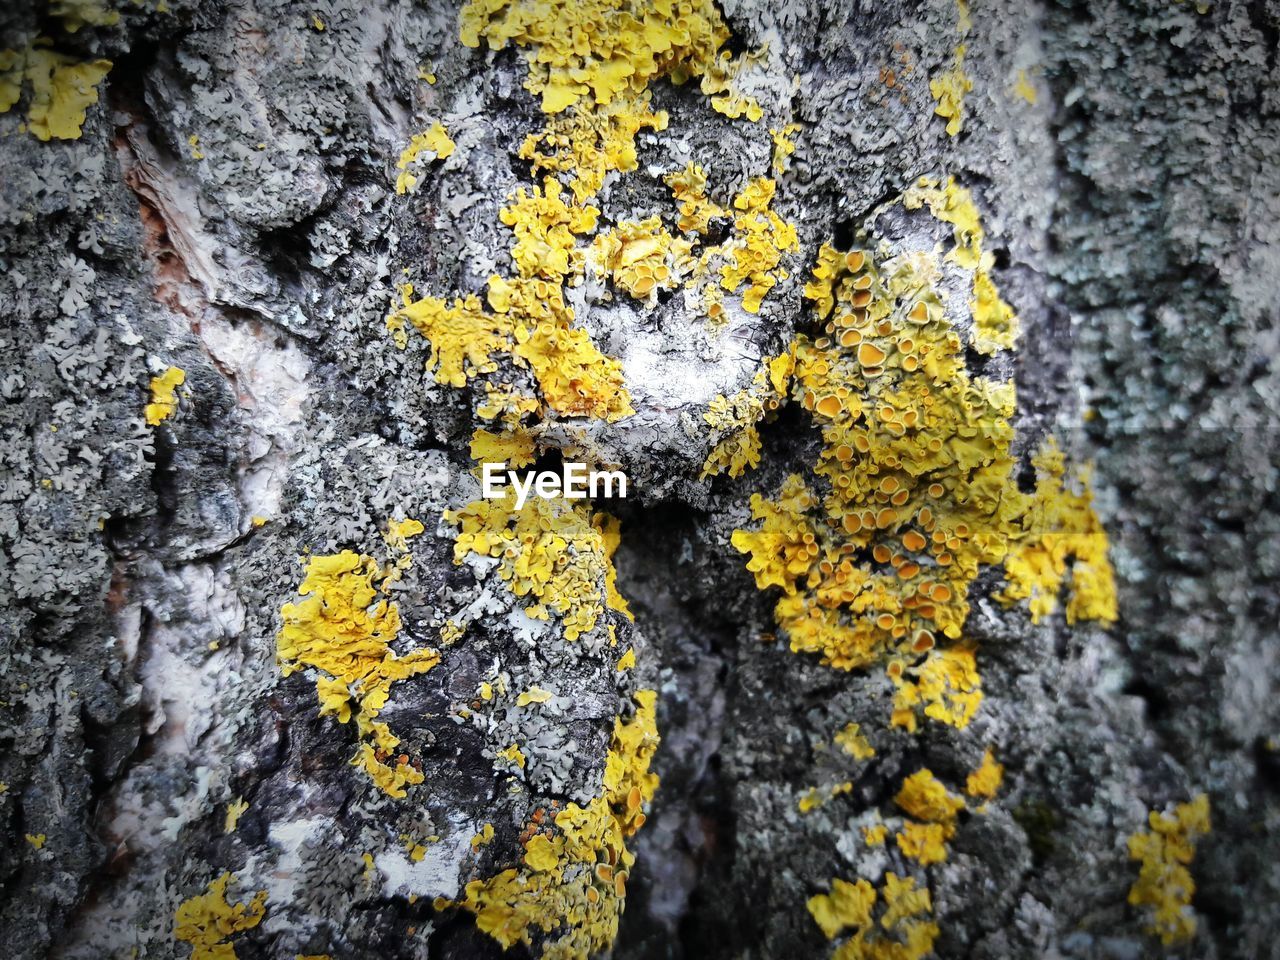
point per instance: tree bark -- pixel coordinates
(229, 208)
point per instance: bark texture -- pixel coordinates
(229, 208)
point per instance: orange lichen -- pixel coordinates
(914, 492)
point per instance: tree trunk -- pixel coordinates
(224, 651)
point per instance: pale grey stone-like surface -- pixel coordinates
(1133, 211)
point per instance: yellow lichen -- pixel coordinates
(343, 628)
(434, 141)
(995, 323)
(641, 257)
(1024, 88)
(755, 251)
(528, 318)
(235, 810)
(925, 843)
(851, 740)
(76, 14)
(721, 83)
(576, 379)
(949, 87)
(551, 553)
(847, 905)
(610, 528)
(164, 400)
(783, 146)
(533, 695)
(544, 226)
(1064, 537)
(37, 840)
(587, 145)
(689, 188)
(916, 453)
(899, 934)
(733, 420)
(985, 781)
(599, 49)
(591, 63)
(922, 485)
(513, 755)
(515, 448)
(815, 797)
(463, 336)
(1164, 885)
(925, 798)
(62, 88)
(570, 885)
(483, 838)
(207, 921)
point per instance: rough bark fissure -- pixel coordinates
(229, 207)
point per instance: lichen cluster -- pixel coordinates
(601, 50)
(553, 553)
(592, 65)
(207, 921)
(899, 932)
(914, 491)
(995, 326)
(528, 320)
(905, 930)
(164, 399)
(1164, 886)
(61, 88)
(950, 86)
(571, 883)
(734, 420)
(343, 628)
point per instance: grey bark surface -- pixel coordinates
(1135, 212)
